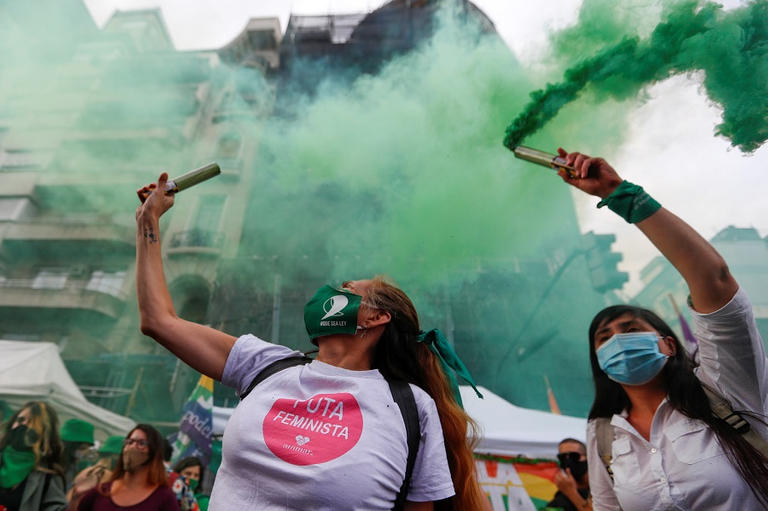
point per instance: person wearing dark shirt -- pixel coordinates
(139, 482)
(77, 439)
(31, 476)
(572, 481)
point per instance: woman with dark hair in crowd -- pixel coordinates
(327, 435)
(139, 482)
(655, 441)
(191, 470)
(31, 476)
(188, 472)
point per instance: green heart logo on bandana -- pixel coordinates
(331, 311)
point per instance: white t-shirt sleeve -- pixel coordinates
(248, 357)
(431, 478)
(732, 355)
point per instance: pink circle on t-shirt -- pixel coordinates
(313, 431)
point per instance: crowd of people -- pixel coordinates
(375, 422)
(665, 431)
(44, 467)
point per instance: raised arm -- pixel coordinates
(203, 348)
(704, 270)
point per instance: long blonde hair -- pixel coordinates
(43, 426)
(398, 355)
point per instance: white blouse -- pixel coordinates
(683, 466)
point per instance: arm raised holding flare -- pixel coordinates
(703, 269)
(659, 419)
(203, 348)
(373, 358)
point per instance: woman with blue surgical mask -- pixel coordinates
(654, 439)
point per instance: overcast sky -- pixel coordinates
(670, 149)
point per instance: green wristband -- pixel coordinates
(630, 202)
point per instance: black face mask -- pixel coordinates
(572, 460)
(21, 438)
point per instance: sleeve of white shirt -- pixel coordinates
(600, 484)
(248, 357)
(431, 479)
(732, 355)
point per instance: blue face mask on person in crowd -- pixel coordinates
(632, 358)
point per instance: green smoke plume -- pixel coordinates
(396, 172)
(731, 48)
(400, 174)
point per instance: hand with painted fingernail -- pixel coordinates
(155, 199)
(592, 175)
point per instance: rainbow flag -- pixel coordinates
(553, 406)
(196, 424)
(517, 483)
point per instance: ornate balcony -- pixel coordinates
(66, 237)
(66, 294)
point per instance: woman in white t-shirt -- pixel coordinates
(651, 419)
(326, 435)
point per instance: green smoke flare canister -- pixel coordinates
(541, 158)
(193, 177)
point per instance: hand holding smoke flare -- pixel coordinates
(730, 47)
(182, 182)
(541, 158)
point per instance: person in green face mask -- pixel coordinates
(190, 472)
(31, 476)
(327, 435)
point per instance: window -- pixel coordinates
(12, 159)
(209, 213)
(105, 282)
(14, 208)
(53, 278)
(229, 146)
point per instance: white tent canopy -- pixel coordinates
(34, 371)
(506, 429)
(509, 430)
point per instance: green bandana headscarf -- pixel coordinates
(440, 346)
(15, 466)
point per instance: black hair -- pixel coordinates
(69, 451)
(167, 450)
(190, 461)
(573, 441)
(684, 392)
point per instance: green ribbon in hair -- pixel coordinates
(449, 360)
(15, 466)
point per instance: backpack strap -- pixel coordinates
(403, 396)
(723, 409)
(720, 408)
(604, 438)
(275, 367)
(46, 485)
